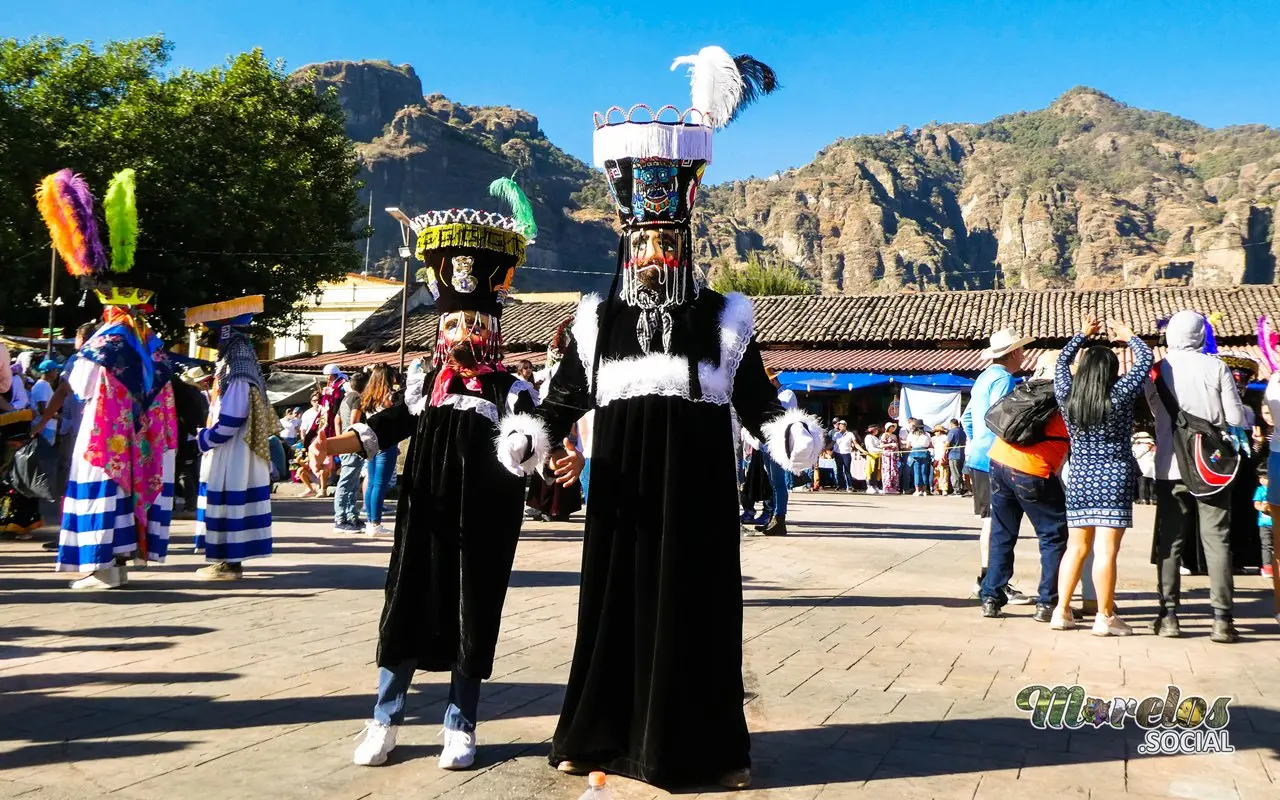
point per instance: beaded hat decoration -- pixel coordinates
(471, 256)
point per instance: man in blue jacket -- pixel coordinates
(1005, 354)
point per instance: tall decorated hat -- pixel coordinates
(471, 256)
(654, 161)
(67, 205)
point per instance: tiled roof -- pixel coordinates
(354, 361)
(919, 320)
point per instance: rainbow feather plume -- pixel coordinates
(1269, 344)
(66, 204)
(521, 209)
(120, 207)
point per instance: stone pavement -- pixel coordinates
(869, 672)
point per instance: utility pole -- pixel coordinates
(53, 288)
(369, 239)
(405, 253)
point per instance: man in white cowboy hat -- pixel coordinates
(996, 381)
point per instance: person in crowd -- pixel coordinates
(1265, 533)
(329, 418)
(842, 443)
(19, 514)
(309, 428)
(548, 500)
(1271, 412)
(378, 396)
(779, 477)
(889, 459)
(1199, 384)
(941, 465)
(346, 495)
(191, 405)
(458, 516)
(291, 428)
(956, 443)
(919, 444)
(584, 428)
(233, 522)
(1024, 481)
(524, 371)
(49, 372)
(1098, 403)
(872, 452)
(1245, 539)
(1005, 352)
(756, 487)
(1144, 459)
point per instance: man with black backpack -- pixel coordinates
(1193, 393)
(1028, 453)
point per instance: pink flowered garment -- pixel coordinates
(134, 461)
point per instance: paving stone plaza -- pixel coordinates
(869, 673)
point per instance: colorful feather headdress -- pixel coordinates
(66, 204)
(1269, 343)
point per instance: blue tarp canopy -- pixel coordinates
(849, 381)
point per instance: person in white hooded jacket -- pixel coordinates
(1202, 385)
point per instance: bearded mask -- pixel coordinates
(468, 339)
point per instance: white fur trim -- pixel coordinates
(415, 393)
(586, 329)
(368, 439)
(670, 140)
(667, 375)
(511, 442)
(806, 439)
(468, 402)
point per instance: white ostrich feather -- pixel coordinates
(716, 84)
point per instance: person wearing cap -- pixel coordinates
(1025, 482)
(42, 391)
(1005, 352)
(233, 520)
(458, 518)
(655, 689)
(842, 444)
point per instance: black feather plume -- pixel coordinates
(758, 79)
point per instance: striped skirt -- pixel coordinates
(98, 519)
(233, 518)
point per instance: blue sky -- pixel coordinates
(846, 68)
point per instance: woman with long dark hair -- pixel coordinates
(378, 395)
(1098, 409)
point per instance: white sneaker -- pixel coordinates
(376, 741)
(110, 578)
(1061, 623)
(1110, 626)
(1016, 598)
(373, 529)
(1183, 571)
(459, 750)
(870, 490)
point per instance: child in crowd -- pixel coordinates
(1264, 523)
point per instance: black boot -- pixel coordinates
(1044, 612)
(776, 527)
(1166, 625)
(764, 522)
(1224, 630)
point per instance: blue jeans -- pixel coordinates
(393, 692)
(1044, 502)
(346, 495)
(921, 470)
(843, 479)
(382, 468)
(780, 482)
(585, 478)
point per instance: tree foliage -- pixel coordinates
(246, 182)
(761, 278)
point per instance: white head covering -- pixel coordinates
(1186, 331)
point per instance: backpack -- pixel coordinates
(1021, 416)
(1207, 457)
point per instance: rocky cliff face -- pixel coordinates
(1087, 193)
(427, 152)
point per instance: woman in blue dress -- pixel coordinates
(1098, 408)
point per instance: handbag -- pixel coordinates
(35, 470)
(1207, 457)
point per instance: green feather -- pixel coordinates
(521, 209)
(120, 207)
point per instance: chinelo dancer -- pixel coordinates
(655, 691)
(233, 511)
(119, 496)
(458, 519)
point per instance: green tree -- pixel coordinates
(761, 278)
(246, 181)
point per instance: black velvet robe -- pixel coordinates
(457, 525)
(655, 691)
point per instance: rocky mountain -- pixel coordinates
(427, 152)
(1087, 193)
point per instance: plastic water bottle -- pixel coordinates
(596, 790)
